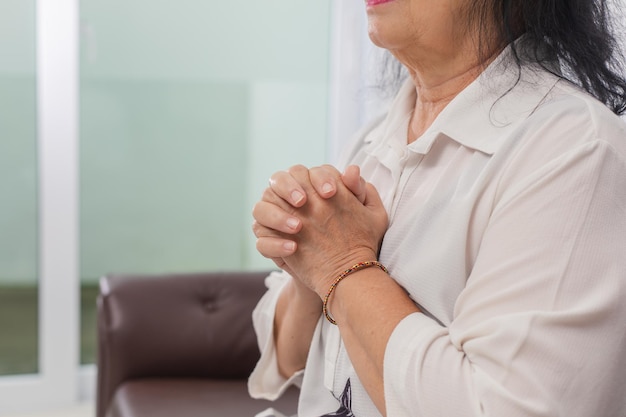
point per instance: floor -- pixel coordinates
(83, 410)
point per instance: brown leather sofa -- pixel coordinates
(179, 346)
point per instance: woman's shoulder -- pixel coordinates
(569, 118)
(585, 114)
(566, 129)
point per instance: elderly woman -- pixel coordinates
(481, 270)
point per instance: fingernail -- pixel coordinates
(327, 188)
(293, 222)
(290, 246)
(296, 197)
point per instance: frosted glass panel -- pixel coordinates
(187, 108)
(162, 175)
(18, 190)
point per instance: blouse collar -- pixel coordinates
(503, 96)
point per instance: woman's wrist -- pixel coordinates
(303, 295)
(346, 273)
(367, 296)
(337, 267)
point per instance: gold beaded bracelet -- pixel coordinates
(352, 269)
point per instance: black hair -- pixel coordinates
(577, 35)
(580, 34)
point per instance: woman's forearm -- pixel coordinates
(367, 308)
(297, 312)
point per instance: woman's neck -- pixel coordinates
(437, 85)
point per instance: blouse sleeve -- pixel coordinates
(266, 382)
(539, 328)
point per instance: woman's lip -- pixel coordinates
(371, 3)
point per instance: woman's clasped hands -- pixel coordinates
(314, 223)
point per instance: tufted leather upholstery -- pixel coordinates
(179, 341)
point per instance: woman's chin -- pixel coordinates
(380, 37)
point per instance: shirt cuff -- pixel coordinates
(266, 382)
(404, 365)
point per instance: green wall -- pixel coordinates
(18, 183)
(186, 108)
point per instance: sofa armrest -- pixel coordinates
(186, 325)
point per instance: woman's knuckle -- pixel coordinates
(260, 246)
(255, 210)
(298, 168)
(268, 195)
(257, 228)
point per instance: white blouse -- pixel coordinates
(508, 229)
